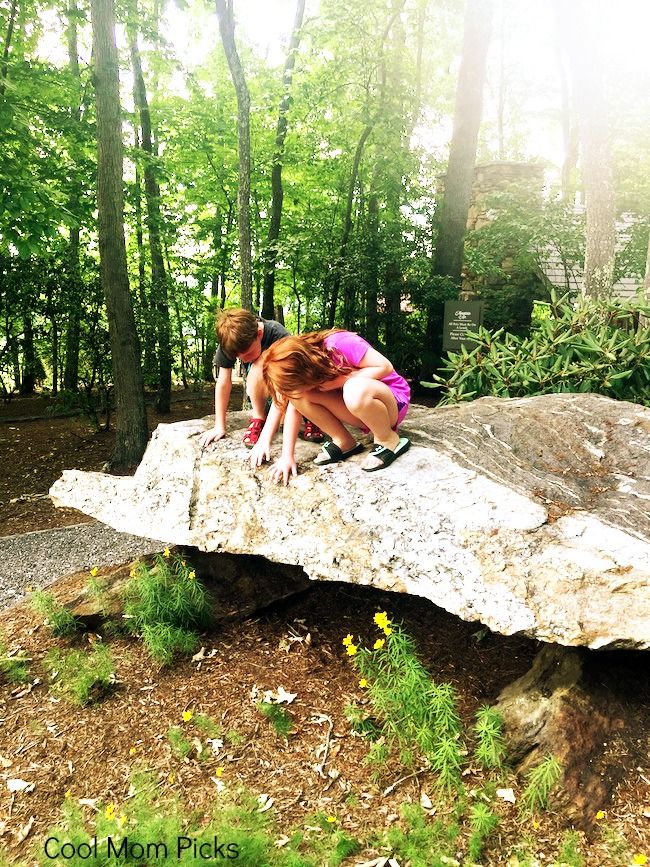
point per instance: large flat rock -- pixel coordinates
(531, 515)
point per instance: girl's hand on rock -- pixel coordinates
(283, 469)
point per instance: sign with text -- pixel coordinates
(460, 317)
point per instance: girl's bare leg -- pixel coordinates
(327, 409)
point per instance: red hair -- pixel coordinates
(294, 365)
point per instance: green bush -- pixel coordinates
(85, 678)
(165, 604)
(592, 346)
(62, 623)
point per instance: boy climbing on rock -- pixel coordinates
(244, 336)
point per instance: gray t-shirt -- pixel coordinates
(272, 331)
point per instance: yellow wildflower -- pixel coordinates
(388, 630)
(378, 644)
(109, 812)
(363, 683)
(94, 571)
(639, 858)
(535, 825)
(381, 619)
(600, 815)
(133, 751)
(332, 820)
(167, 553)
(192, 575)
(219, 772)
(187, 715)
(171, 778)
(132, 573)
(68, 795)
(348, 640)
(352, 649)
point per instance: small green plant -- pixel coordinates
(13, 665)
(540, 782)
(83, 677)
(422, 842)
(416, 715)
(166, 605)
(278, 716)
(180, 745)
(62, 623)
(490, 747)
(207, 725)
(482, 823)
(569, 854)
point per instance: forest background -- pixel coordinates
(308, 160)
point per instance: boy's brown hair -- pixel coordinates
(236, 330)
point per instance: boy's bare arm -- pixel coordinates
(222, 389)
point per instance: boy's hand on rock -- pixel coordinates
(211, 435)
(260, 453)
(283, 469)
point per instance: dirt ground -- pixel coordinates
(90, 753)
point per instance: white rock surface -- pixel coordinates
(529, 515)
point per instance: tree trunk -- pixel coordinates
(277, 194)
(347, 222)
(152, 197)
(131, 418)
(4, 68)
(30, 364)
(452, 221)
(582, 45)
(74, 288)
(452, 214)
(227, 29)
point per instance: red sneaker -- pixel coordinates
(253, 433)
(311, 433)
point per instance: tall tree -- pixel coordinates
(131, 418)
(159, 291)
(452, 219)
(277, 193)
(584, 48)
(227, 30)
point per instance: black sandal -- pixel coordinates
(387, 456)
(332, 454)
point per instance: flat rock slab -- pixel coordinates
(531, 516)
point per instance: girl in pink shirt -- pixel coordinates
(335, 378)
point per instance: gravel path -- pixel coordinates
(39, 558)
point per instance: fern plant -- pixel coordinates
(541, 780)
(490, 747)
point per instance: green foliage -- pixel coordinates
(180, 745)
(541, 780)
(587, 347)
(278, 716)
(62, 623)
(152, 827)
(569, 854)
(490, 746)
(166, 604)
(482, 823)
(414, 713)
(13, 666)
(84, 678)
(422, 842)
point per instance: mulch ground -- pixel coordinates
(90, 753)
